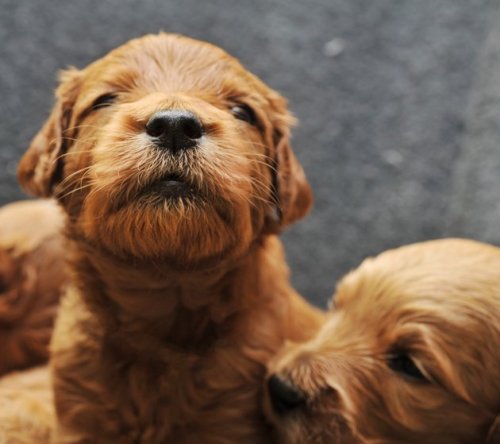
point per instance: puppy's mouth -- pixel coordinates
(171, 189)
(170, 186)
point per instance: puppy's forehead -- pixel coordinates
(172, 63)
(444, 284)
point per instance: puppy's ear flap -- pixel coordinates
(40, 168)
(292, 195)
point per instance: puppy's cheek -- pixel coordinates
(120, 167)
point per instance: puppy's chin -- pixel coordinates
(168, 220)
(312, 427)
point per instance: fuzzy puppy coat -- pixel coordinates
(173, 165)
(32, 278)
(409, 354)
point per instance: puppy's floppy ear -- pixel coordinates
(40, 168)
(292, 196)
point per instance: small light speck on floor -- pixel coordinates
(334, 47)
(392, 157)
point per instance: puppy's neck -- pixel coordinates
(183, 308)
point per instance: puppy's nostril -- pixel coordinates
(156, 127)
(174, 130)
(192, 128)
(284, 396)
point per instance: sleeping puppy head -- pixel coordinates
(410, 354)
(167, 148)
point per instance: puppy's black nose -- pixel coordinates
(175, 129)
(284, 397)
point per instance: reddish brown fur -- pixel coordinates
(178, 303)
(32, 277)
(438, 300)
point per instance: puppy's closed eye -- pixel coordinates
(244, 112)
(103, 101)
(402, 363)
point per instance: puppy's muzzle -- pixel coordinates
(174, 130)
(283, 395)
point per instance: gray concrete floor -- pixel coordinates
(399, 104)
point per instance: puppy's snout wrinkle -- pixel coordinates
(174, 130)
(284, 396)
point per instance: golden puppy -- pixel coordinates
(32, 278)
(409, 354)
(174, 167)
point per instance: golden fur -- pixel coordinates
(435, 303)
(178, 302)
(32, 278)
(26, 410)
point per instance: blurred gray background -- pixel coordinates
(398, 102)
